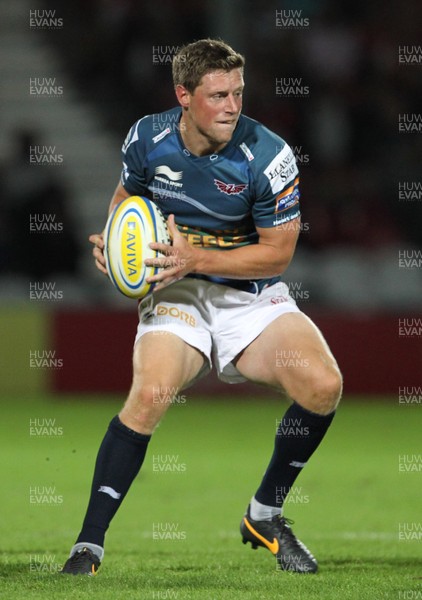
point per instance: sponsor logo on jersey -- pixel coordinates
(163, 174)
(161, 135)
(220, 239)
(282, 218)
(246, 151)
(169, 173)
(281, 170)
(288, 198)
(230, 188)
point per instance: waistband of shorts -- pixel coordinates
(244, 285)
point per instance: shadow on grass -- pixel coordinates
(374, 562)
(8, 569)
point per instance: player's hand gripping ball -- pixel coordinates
(131, 227)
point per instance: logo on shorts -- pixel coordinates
(230, 188)
(281, 293)
(173, 311)
(279, 300)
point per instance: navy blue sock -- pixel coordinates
(119, 459)
(298, 436)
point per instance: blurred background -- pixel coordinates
(340, 81)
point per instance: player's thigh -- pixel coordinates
(163, 364)
(291, 354)
(164, 356)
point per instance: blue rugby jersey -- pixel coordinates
(217, 199)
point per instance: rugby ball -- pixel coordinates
(131, 227)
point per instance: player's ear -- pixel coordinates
(182, 95)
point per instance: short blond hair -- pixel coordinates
(195, 60)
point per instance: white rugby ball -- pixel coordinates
(131, 227)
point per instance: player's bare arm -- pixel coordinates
(270, 257)
(97, 238)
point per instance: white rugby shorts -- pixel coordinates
(218, 320)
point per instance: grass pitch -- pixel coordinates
(176, 534)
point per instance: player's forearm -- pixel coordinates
(248, 262)
(268, 258)
(119, 194)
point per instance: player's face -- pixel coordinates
(212, 111)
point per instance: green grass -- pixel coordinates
(348, 511)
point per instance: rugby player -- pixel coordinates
(229, 187)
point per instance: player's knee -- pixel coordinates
(325, 392)
(146, 404)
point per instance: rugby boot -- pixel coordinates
(82, 562)
(278, 537)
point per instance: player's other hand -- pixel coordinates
(98, 252)
(178, 260)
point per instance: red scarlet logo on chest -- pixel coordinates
(230, 188)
